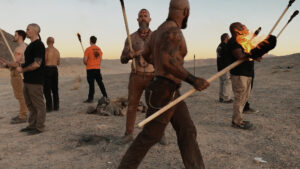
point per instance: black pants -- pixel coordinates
(159, 93)
(92, 75)
(51, 86)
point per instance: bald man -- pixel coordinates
(33, 71)
(166, 51)
(141, 76)
(51, 76)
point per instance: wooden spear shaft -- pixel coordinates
(190, 92)
(128, 34)
(214, 77)
(292, 17)
(7, 45)
(286, 9)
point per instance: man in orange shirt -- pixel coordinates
(92, 60)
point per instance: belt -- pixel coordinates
(144, 73)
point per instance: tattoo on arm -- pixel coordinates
(38, 60)
(173, 51)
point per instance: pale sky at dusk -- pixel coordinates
(62, 19)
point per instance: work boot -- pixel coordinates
(163, 141)
(34, 132)
(27, 129)
(88, 101)
(125, 139)
(251, 111)
(225, 101)
(18, 120)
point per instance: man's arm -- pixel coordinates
(125, 57)
(173, 50)
(35, 65)
(58, 58)
(239, 54)
(85, 57)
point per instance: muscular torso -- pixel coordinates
(138, 45)
(52, 57)
(167, 56)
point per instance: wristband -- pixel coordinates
(190, 79)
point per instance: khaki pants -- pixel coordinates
(137, 84)
(34, 98)
(225, 87)
(17, 85)
(241, 86)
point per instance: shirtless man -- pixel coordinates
(166, 50)
(52, 59)
(16, 78)
(139, 77)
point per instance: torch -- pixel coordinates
(127, 31)
(292, 17)
(79, 38)
(255, 33)
(289, 5)
(214, 77)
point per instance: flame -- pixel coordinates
(248, 42)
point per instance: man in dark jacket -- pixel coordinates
(222, 62)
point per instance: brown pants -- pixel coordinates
(241, 86)
(137, 84)
(17, 85)
(160, 92)
(34, 98)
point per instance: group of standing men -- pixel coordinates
(158, 70)
(40, 77)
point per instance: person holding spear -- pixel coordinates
(241, 76)
(141, 75)
(167, 49)
(16, 78)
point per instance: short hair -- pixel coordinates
(93, 39)
(233, 26)
(21, 33)
(36, 27)
(144, 10)
(224, 36)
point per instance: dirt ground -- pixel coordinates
(74, 139)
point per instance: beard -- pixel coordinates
(144, 25)
(184, 22)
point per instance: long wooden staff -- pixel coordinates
(128, 34)
(214, 77)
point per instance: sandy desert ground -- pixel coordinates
(63, 145)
